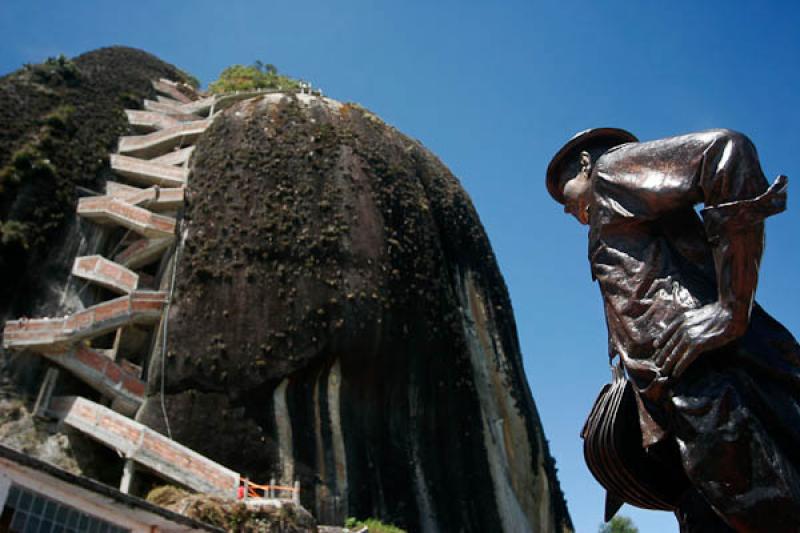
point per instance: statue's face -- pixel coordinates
(577, 191)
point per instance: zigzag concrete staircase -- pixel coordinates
(146, 206)
(155, 167)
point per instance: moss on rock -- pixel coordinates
(59, 120)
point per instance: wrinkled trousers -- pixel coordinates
(738, 439)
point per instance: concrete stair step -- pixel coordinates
(152, 198)
(169, 101)
(106, 273)
(55, 334)
(168, 106)
(123, 191)
(163, 141)
(147, 447)
(159, 199)
(104, 375)
(146, 172)
(173, 111)
(171, 90)
(176, 157)
(199, 107)
(143, 252)
(110, 210)
(151, 120)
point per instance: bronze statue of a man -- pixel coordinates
(716, 379)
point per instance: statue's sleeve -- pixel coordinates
(718, 168)
(648, 180)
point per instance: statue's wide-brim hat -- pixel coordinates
(596, 141)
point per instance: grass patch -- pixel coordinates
(373, 524)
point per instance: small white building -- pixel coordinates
(37, 497)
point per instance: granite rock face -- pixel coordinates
(338, 314)
(339, 318)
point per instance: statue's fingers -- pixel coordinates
(666, 366)
(668, 347)
(667, 333)
(684, 362)
(676, 353)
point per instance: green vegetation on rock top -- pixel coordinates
(54, 71)
(373, 524)
(248, 78)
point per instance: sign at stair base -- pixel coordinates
(147, 447)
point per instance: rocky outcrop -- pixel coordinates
(340, 318)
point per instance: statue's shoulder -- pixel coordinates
(636, 181)
(614, 157)
(613, 170)
(675, 153)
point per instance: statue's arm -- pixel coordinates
(735, 231)
(732, 186)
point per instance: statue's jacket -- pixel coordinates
(653, 258)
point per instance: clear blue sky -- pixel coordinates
(494, 89)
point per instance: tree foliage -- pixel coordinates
(256, 76)
(54, 71)
(619, 524)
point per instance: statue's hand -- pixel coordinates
(696, 331)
